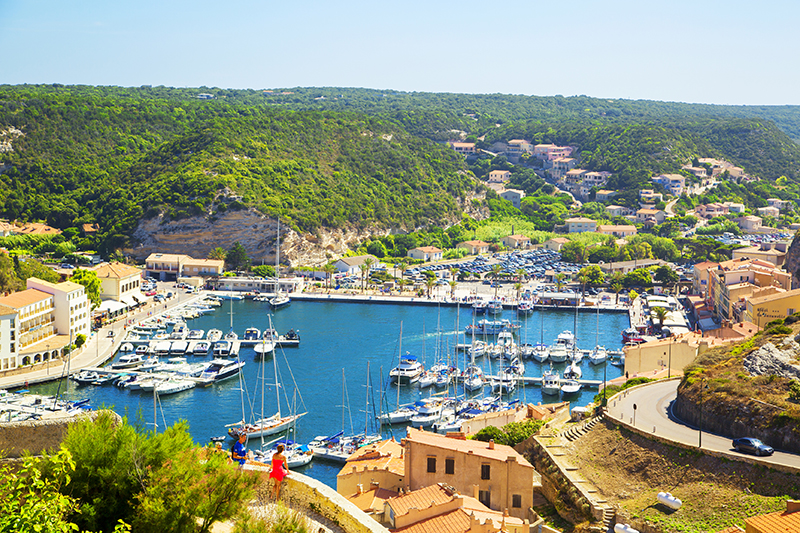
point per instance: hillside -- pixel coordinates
(330, 158)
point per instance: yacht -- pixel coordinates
(221, 369)
(408, 371)
(201, 348)
(222, 348)
(551, 382)
(251, 334)
(598, 355)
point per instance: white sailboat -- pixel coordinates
(265, 425)
(280, 299)
(599, 354)
(402, 413)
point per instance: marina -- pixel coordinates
(349, 337)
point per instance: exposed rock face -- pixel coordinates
(792, 262)
(769, 360)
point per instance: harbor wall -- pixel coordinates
(35, 436)
(304, 493)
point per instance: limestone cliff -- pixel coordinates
(792, 263)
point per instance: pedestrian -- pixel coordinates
(280, 469)
(239, 452)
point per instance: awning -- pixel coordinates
(708, 324)
(139, 297)
(111, 306)
(128, 300)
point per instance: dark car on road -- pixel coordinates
(752, 446)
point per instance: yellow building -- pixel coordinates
(765, 309)
(737, 279)
(501, 477)
(377, 465)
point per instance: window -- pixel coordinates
(449, 466)
(485, 497)
(432, 464)
(485, 471)
(516, 501)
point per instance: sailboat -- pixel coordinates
(267, 343)
(280, 299)
(473, 375)
(402, 413)
(269, 425)
(599, 354)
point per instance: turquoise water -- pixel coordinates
(337, 339)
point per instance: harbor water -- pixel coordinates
(339, 341)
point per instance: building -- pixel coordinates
(734, 207)
(165, 267)
(464, 149)
(769, 211)
(551, 152)
(32, 327)
(561, 166)
(649, 196)
(656, 215)
(499, 176)
(119, 284)
(517, 147)
(699, 172)
(764, 309)
(574, 176)
(783, 205)
(620, 230)
(8, 344)
(711, 210)
(351, 266)
(514, 196)
(628, 266)
(604, 195)
(788, 520)
(700, 279)
(774, 253)
(674, 183)
(580, 225)
(502, 478)
(203, 268)
(555, 243)
(617, 211)
(72, 309)
(749, 223)
(516, 241)
(255, 284)
(440, 508)
(596, 179)
(378, 465)
(474, 247)
(425, 253)
(737, 279)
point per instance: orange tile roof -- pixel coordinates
(372, 500)
(6, 310)
(116, 271)
(456, 521)
(17, 300)
(385, 455)
(732, 529)
(421, 499)
(780, 522)
(475, 447)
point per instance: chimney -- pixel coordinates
(792, 506)
(491, 444)
(359, 489)
(475, 492)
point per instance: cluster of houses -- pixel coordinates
(448, 483)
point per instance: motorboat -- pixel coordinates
(214, 335)
(426, 379)
(504, 382)
(229, 296)
(179, 347)
(524, 308)
(195, 334)
(280, 300)
(551, 382)
(296, 455)
(251, 334)
(126, 347)
(495, 307)
(479, 306)
(408, 371)
(173, 385)
(573, 371)
(201, 348)
(398, 416)
(477, 349)
(473, 378)
(85, 377)
(231, 335)
(130, 360)
(632, 335)
(617, 359)
(143, 349)
(577, 355)
(264, 346)
(540, 352)
(558, 353)
(570, 386)
(567, 338)
(221, 369)
(516, 367)
(338, 447)
(222, 348)
(491, 327)
(598, 355)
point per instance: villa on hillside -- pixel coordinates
(474, 247)
(516, 241)
(425, 253)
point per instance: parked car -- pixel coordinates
(751, 446)
(67, 265)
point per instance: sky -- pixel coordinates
(701, 51)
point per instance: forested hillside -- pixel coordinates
(332, 157)
(88, 157)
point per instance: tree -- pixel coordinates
(453, 284)
(329, 269)
(594, 274)
(80, 339)
(638, 278)
(217, 253)
(377, 249)
(559, 281)
(661, 314)
(665, 275)
(402, 264)
(583, 279)
(236, 258)
(430, 281)
(616, 288)
(573, 252)
(90, 282)
(364, 268)
(265, 271)
(518, 288)
(496, 270)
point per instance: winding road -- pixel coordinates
(654, 415)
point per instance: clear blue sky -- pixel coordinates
(709, 51)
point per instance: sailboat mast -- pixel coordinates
(399, 359)
(366, 404)
(275, 367)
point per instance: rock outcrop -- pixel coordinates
(792, 260)
(770, 360)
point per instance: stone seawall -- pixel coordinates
(35, 436)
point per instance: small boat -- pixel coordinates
(251, 334)
(339, 448)
(551, 382)
(264, 346)
(264, 426)
(577, 355)
(398, 416)
(279, 301)
(230, 296)
(195, 334)
(408, 371)
(126, 347)
(598, 355)
(231, 335)
(617, 359)
(179, 347)
(495, 307)
(632, 335)
(473, 378)
(85, 377)
(524, 308)
(491, 327)
(477, 349)
(297, 455)
(221, 369)
(214, 335)
(558, 353)
(426, 379)
(222, 348)
(504, 382)
(201, 348)
(573, 371)
(173, 385)
(128, 361)
(479, 306)
(142, 349)
(261, 299)
(541, 352)
(570, 386)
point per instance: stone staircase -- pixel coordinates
(575, 432)
(609, 518)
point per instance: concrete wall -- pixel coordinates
(35, 436)
(656, 355)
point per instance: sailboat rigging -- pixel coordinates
(280, 299)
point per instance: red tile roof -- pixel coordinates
(421, 499)
(456, 521)
(780, 522)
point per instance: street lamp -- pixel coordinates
(669, 363)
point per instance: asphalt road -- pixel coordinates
(654, 415)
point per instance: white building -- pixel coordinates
(425, 253)
(72, 308)
(514, 196)
(8, 345)
(351, 266)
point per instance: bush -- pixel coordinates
(779, 330)
(794, 391)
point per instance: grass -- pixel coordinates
(492, 230)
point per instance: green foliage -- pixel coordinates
(80, 339)
(90, 281)
(779, 330)
(665, 275)
(611, 390)
(510, 434)
(593, 274)
(31, 502)
(638, 278)
(236, 258)
(794, 391)
(265, 271)
(284, 520)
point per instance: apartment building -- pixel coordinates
(378, 465)
(764, 309)
(580, 224)
(34, 324)
(738, 279)
(462, 148)
(514, 196)
(551, 152)
(617, 230)
(425, 253)
(501, 477)
(169, 267)
(8, 341)
(72, 309)
(674, 183)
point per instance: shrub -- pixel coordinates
(794, 391)
(779, 330)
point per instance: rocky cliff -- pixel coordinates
(792, 263)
